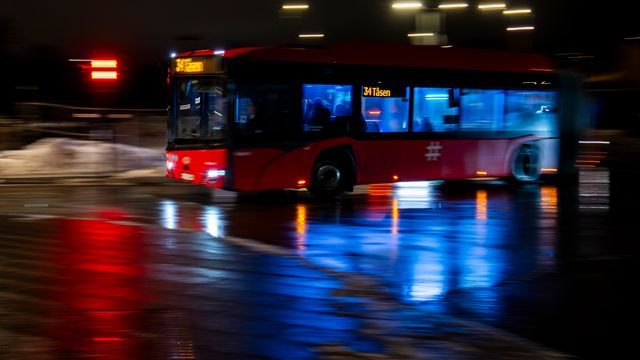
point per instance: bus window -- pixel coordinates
(201, 110)
(322, 103)
(435, 109)
(264, 111)
(482, 110)
(531, 110)
(385, 109)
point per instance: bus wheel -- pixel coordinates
(526, 164)
(327, 179)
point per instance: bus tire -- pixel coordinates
(525, 166)
(329, 178)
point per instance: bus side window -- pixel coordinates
(435, 109)
(387, 107)
(323, 103)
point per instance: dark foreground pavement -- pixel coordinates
(107, 286)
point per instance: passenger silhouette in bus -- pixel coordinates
(320, 115)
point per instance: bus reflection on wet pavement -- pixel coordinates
(547, 262)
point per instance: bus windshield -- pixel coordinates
(200, 110)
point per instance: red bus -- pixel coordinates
(326, 119)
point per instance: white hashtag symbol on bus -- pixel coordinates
(433, 151)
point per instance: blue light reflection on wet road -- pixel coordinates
(512, 256)
(422, 240)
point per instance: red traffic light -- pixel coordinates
(107, 69)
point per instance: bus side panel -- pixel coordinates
(549, 155)
(473, 158)
(192, 166)
(377, 160)
(258, 169)
(266, 168)
(380, 160)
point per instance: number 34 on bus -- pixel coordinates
(327, 119)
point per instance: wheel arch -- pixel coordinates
(344, 155)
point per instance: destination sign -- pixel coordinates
(383, 91)
(189, 65)
(196, 65)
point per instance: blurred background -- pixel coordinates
(45, 51)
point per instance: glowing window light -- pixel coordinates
(520, 28)
(311, 35)
(104, 64)
(497, 6)
(435, 97)
(517, 12)
(420, 34)
(295, 7)
(104, 75)
(407, 5)
(453, 6)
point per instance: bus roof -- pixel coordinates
(417, 56)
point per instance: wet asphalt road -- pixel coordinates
(552, 263)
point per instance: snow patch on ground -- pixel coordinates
(69, 157)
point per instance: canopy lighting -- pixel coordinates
(420, 34)
(496, 6)
(295, 7)
(520, 28)
(517, 11)
(453, 6)
(407, 5)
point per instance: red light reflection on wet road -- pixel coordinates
(100, 287)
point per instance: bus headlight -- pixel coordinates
(212, 174)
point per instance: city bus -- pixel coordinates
(328, 118)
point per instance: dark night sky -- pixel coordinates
(147, 29)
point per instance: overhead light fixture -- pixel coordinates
(453, 6)
(495, 6)
(295, 7)
(517, 12)
(311, 35)
(420, 34)
(520, 28)
(407, 5)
